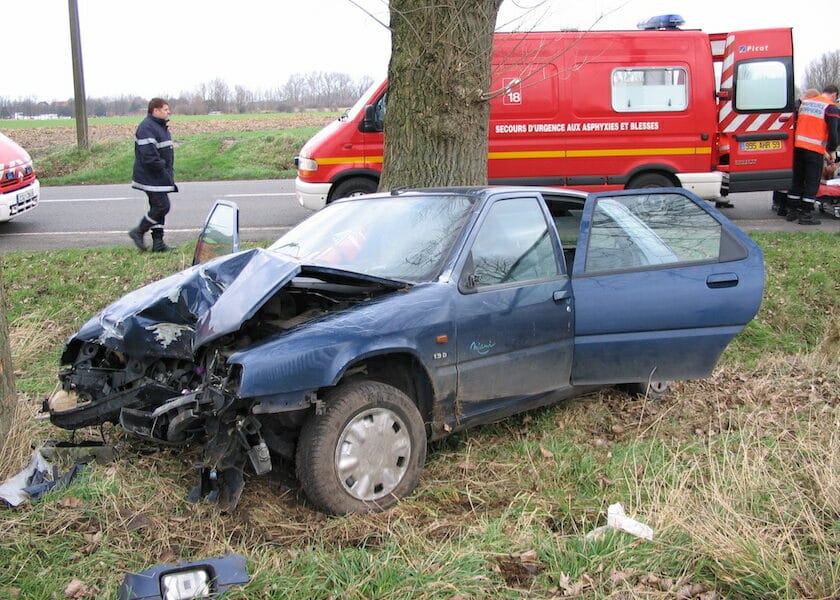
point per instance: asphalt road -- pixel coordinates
(100, 215)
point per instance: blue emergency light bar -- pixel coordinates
(662, 22)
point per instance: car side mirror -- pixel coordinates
(220, 234)
(370, 122)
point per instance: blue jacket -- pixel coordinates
(154, 157)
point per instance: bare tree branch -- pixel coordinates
(370, 14)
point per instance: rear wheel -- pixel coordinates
(649, 389)
(365, 452)
(650, 180)
(355, 186)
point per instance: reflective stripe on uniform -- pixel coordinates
(152, 188)
(146, 141)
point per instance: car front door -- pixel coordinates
(513, 310)
(662, 282)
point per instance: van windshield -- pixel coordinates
(360, 104)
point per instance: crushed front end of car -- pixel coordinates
(156, 362)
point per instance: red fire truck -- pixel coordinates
(19, 187)
(605, 110)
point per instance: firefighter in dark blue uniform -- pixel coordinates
(154, 159)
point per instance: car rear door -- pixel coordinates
(661, 282)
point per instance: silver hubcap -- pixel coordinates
(372, 454)
(659, 386)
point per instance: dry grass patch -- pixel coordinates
(738, 474)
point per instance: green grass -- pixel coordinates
(233, 154)
(801, 297)
(201, 157)
(739, 474)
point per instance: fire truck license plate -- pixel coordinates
(761, 146)
(24, 196)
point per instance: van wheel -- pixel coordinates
(650, 180)
(355, 186)
(365, 452)
(651, 389)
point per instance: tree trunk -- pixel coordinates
(436, 120)
(7, 375)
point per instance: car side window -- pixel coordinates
(651, 229)
(566, 214)
(512, 245)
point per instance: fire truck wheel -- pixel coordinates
(355, 186)
(650, 180)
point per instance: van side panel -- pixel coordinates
(653, 99)
(608, 110)
(558, 125)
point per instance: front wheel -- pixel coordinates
(365, 452)
(355, 186)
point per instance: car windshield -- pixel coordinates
(394, 237)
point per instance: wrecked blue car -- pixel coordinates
(385, 321)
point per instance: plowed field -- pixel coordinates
(41, 138)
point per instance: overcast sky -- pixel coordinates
(165, 48)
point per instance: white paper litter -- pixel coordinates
(617, 519)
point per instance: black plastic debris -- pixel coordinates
(199, 579)
(43, 474)
(40, 484)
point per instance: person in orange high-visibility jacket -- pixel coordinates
(816, 137)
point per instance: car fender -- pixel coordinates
(317, 354)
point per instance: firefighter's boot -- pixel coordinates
(809, 218)
(136, 236)
(806, 213)
(158, 245)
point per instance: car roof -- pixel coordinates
(477, 191)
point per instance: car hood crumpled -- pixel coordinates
(176, 315)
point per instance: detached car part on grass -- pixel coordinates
(385, 321)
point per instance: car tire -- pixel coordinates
(364, 453)
(355, 186)
(650, 180)
(650, 389)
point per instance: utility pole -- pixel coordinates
(78, 78)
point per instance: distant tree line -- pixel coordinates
(823, 71)
(302, 91)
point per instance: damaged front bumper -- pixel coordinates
(147, 399)
(179, 420)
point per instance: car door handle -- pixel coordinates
(561, 295)
(722, 280)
